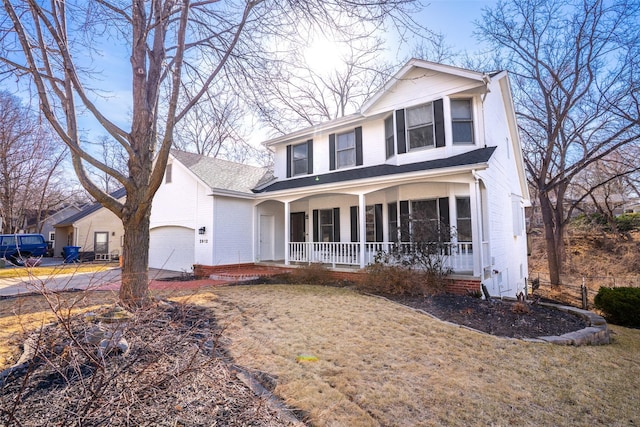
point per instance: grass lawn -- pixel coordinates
(24, 272)
(379, 363)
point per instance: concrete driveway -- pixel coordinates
(107, 279)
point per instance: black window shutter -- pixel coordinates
(404, 221)
(392, 209)
(358, 145)
(443, 206)
(378, 220)
(332, 151)
(401, 137)
(438, 122)
(289, 161)
(315, 225)
(336, 224)
(310, 156)
(354, 223)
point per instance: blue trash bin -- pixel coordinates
(71, 253)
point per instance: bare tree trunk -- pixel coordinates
(135, 263)
(550, 235)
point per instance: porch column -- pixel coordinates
(287, 225)
(476, 225)
(363, 228)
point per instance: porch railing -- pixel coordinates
(458, 256)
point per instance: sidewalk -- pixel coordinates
(103, 281)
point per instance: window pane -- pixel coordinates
(300, 155)
(419, 115)
(461, 109)
(326, 217)
(421, 137)
(346, 158)
(463, 207)
(425, 209)
(370, 219)
(346, 141)
(300, 166)
(300, 151)
(463, 225)
(462, 132)
(464, 230)
(388, 136)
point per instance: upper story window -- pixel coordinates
(462, 121)
(345, 149)
(167, 174)
(299, 159)
(420, 126)
(388, 136)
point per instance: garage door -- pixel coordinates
(172, 248)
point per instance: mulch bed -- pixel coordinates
(496, 317)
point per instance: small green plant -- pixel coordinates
(620, 306)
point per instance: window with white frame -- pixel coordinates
(346, 149)
(419, 122)
(462, 121)
(325, 225)
(300, 159)
(463, 221)
(389, 136)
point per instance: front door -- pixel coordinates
(298, 229)
(101, 243)
(267, 237)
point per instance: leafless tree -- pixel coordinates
(113, 154)
(576, 73)
(171, 48)
(296, 92)
(30, 160)
(608, 184)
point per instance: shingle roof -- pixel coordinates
(118, 194)
(221, 174)
(479, 156)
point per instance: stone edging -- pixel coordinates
(597, 333)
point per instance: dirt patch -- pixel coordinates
(496, 317)
(165, 366)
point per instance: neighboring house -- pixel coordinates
(436, 142)
(95, 229)
(48, 225)
(203, 213)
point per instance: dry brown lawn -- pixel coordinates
(383, 364)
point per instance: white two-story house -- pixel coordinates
(436, 142)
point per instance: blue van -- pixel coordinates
(18, 247)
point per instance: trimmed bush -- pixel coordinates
(620, 306)
(400, 280)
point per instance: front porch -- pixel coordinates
(455, 256)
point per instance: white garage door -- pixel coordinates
(172, 248)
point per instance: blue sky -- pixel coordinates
(454, 18)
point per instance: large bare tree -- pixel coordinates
(174, 51)
(576, 74)
(30, 165)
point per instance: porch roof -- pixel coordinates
(479, 156)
